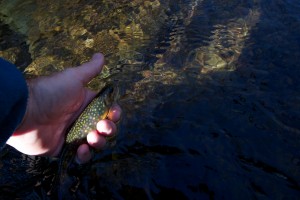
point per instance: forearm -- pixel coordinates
(13, 99)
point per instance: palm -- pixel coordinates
(54, 103)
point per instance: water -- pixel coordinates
(209, 89)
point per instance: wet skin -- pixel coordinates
(53, 105)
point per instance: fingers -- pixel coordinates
(96, 138)
(114, 113)
(106, 127)
(83, 154)
(87, 71)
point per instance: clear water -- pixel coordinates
(210, 92)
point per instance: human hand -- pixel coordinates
(54, 103)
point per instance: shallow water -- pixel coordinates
(210, 92)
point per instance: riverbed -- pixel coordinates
(210, 93)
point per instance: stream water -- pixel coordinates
(210, 91)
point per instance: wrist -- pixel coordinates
(20, 128)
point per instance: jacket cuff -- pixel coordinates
(13, 99)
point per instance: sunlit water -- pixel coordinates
(210, 92)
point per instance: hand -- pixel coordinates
(54, 104)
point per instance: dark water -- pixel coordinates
(210, 92)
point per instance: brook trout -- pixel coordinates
(95, 111)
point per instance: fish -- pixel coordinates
(96, 110)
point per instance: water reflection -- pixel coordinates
(209, 90)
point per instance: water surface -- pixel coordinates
(210, 92)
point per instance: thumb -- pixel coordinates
(87, 71)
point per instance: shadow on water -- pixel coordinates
(192, 131)
(233, 134)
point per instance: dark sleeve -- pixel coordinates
(13, 99)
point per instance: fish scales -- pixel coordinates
(95, 111)
(86, 122)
